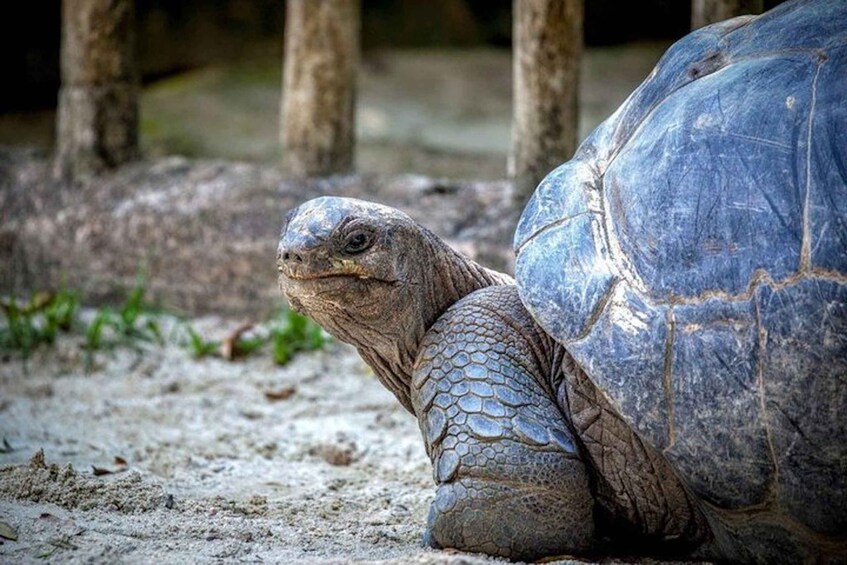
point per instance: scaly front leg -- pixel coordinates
(509, 475)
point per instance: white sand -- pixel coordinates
(215, 471)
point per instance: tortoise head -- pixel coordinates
(352, 265)
(373, 278)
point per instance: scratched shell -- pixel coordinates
(692, 257)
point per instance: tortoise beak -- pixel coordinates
(300, 256)
(304, 257)
(302, 245)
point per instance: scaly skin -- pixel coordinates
(528, 457)
(510, 478)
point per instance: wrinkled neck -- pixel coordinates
(441, 278)
(451, 277)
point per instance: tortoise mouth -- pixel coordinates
(300, 270)
(305, 276)
(312, 292)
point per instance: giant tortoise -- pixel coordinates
(669, 372)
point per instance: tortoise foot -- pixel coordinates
(515, 521)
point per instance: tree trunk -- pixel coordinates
(97, 121)
(705, 12)
(319, 86)
(547, 56)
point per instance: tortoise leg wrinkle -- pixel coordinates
(510, 480)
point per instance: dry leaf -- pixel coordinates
(8, 532)
(281, 393)
(228, 349)
(40, 300)
(338, 455)
(120, 467)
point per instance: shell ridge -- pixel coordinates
(552, 225)
(806, 246)
(615, 255)
(667, 375)
(760, 277)
(598, 311)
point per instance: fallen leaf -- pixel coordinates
(36, 303)
(99, 471)
(63, 543)
(337, 455)
(47, 553)
(228, 344)
(8, 532)
(120, 467)
(280, 393)
(39, 301)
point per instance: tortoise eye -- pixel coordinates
(357, 242)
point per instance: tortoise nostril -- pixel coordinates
(289, 257)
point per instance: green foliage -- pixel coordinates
(37, 322)
(288, 333)
(19, 332)
(295, 333)
(248, 345)
(199, 346)
(94, 332)
(133, 321)
(60, 312)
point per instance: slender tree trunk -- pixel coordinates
(705, 12)
(547, 56)
(97, 122)
(319, 86)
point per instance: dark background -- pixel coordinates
(175, 36)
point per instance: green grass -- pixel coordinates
(133, 322)
(199, 346)
(37, 322)
(287, 334)
(292, 334)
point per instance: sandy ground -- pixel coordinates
(215, 470)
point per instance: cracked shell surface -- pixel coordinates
(692, 257)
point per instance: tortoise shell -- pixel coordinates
(692, 258)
